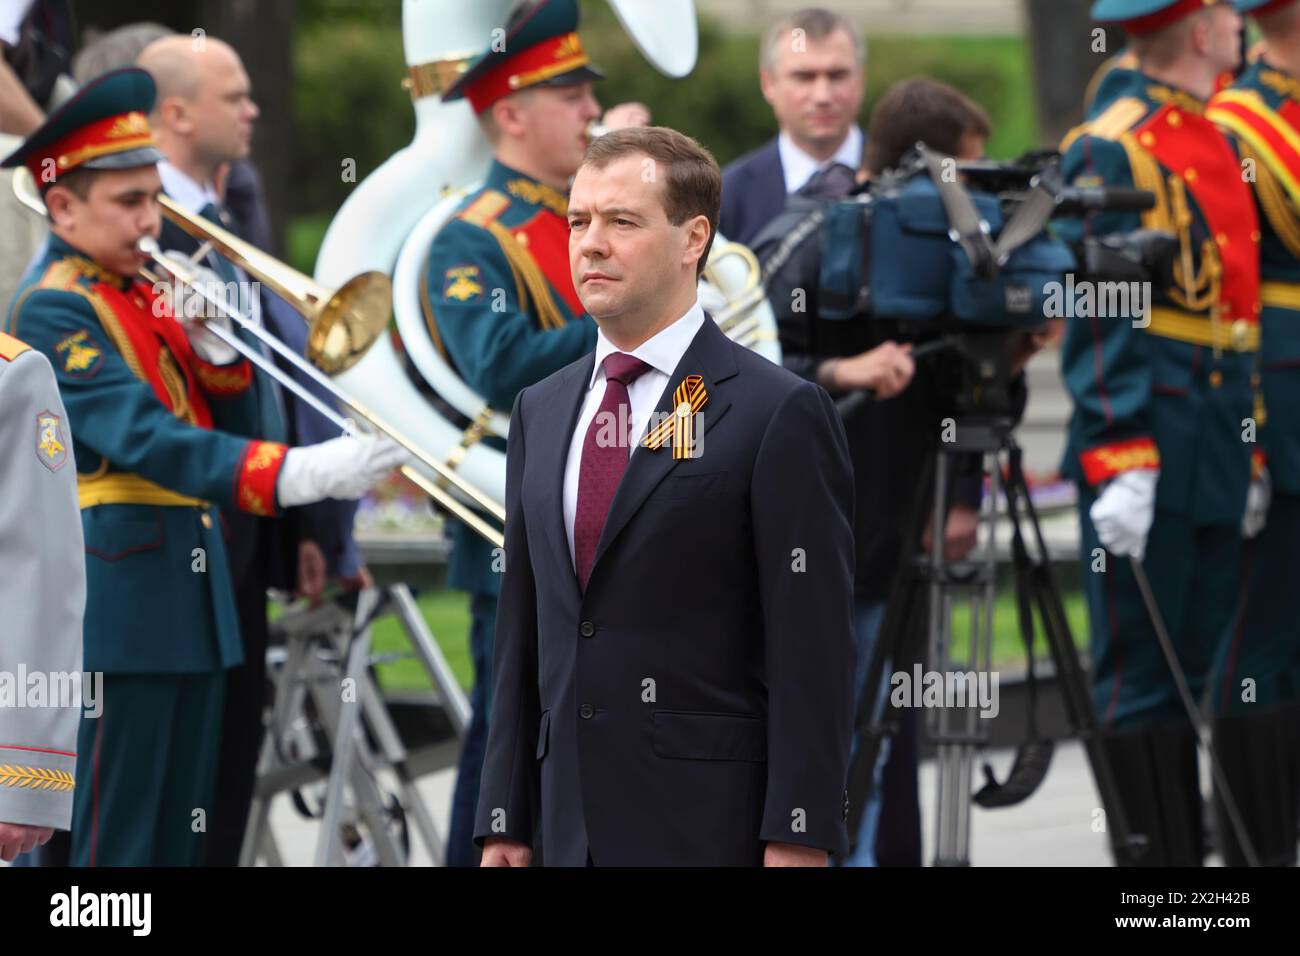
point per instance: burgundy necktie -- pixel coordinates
(603, 462)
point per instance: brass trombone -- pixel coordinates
(342, 324)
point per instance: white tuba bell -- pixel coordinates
(393, 216)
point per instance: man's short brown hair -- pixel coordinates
(923, 110)
(78, 181)
(814, 23)
(692, 181)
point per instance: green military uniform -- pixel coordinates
(501, 308)
(1255, 683)
(1172, 396)
(156, 433)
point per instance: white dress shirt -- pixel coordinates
(799, 167)
(662, 352)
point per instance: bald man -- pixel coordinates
(205, 111)
(203, 121)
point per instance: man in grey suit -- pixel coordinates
(43, 593)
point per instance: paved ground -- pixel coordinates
(1052, 828)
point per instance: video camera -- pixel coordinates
(959, 256)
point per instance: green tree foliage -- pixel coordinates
(349, 103)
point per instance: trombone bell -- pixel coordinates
(342, 323)
(348, 324)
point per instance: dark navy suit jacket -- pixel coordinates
(695, 703)
(753, 193)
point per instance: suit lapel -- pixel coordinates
(710, 355)
(556, 433)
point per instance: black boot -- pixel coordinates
(1155, 773)
(1260, 756)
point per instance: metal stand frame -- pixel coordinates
(329, 708)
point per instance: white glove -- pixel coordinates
(1258, 498)
(194, 312)
(1124, 512)
(344, 468)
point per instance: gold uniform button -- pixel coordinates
(1222, 239)
(1190, 175)
(207, 520)
(1240, 333)
(1255, 236)
(1216, 378)
(1175, 119)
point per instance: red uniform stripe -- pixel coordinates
(37, 750)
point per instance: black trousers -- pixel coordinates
(242, 725)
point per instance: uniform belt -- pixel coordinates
(127, 489)
(1283, 295)
(1238, 336)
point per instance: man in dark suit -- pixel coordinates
(674, 649)
(813, 74)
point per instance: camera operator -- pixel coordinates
(891, 436)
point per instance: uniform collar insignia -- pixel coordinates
(97, 273)
(1180, 98)
(64, 250)
(1281, 82)
(539, 194)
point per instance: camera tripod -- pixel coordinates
(928, 583)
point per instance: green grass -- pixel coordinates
(1008, 649)
(447, 614)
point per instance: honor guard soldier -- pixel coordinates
(1160, 440)
(499, 298)
(1255, 685)
(42, 567)
(156, 413)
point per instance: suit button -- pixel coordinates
(587, 629)
(585, 711)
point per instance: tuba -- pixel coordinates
(393, 216)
